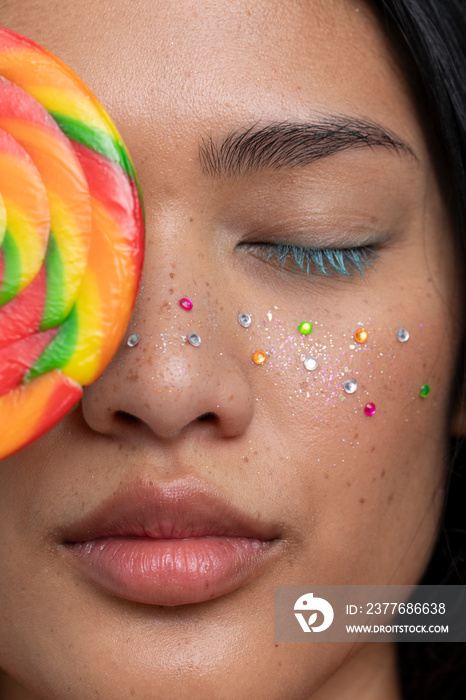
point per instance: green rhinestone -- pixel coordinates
(305, 328)
(425, 391)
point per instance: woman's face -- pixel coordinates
(325, 494)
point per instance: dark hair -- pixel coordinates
(430, 38)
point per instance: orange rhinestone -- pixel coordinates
(259, 357)
(361, 335)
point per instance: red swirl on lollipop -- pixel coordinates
(71, 240)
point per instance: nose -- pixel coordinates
(165, 386)
(164, 393)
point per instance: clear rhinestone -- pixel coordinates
(311, 363)
(245, 320)
(402, 334)
(133, 340)
(350, 386)
(194, 339)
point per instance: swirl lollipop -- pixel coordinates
(71, 240)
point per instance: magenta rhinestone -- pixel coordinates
(186, 304)
(370, 409)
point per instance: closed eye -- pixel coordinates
(324, 261)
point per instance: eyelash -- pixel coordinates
(325, 261)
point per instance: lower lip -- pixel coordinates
(171, 571)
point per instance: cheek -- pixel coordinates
(359, 452)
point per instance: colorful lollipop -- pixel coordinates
(71, 240)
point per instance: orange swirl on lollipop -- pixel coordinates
(71, 240)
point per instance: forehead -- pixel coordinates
(181, 65)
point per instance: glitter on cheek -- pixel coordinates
(287, 353)
(339, 359)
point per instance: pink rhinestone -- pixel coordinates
(370, 409)
(186, 304)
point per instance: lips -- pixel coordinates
(170, 544)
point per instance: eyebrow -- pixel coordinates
(287, 144)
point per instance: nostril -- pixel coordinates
(206, 416)
(127, 417)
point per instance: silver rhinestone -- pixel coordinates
(245, 320)
(133, 340)
(402, 334)
(311, 363)
(194, 339)
(350, 386)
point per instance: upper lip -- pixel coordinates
(176, 510)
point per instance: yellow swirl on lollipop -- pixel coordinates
(71, 240)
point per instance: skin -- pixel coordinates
(354, 499)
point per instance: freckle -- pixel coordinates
(382, 473)
(362, 500)
(268, 450)
(326, 475)
(390, 498)
(356, 436)
(373, 448)
(245, 459)
(172, 275)
(191, 219)
(231, 398)
(348, 483)
(171, 290)
(276, 645)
